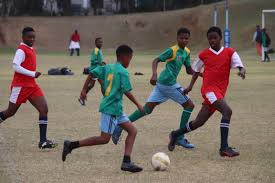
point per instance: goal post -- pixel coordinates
(264, 13)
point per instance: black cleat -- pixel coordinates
(172, 142)
(82, 102)
(229, 152)
(66, 149)
(130, 167)
(48, 144)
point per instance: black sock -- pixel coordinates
(126, 159)
(181, 131)
(2, 117)
(74, 145)
(224, 127)
(43, 123)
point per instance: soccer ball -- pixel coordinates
(160, 161)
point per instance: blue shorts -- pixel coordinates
(109, 122)
(162, 93)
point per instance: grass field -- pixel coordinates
(252, 130)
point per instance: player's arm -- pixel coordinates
(236, 62)
(131, 97)
(154, 77)
(16, 64)
(83, 93)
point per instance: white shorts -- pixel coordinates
(162, 93)
(74, 45)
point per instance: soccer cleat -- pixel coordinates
(184, 143)
(229, 152)
(82, 102)
(116, 135)
(172, 142)
(66, 149)
(130, 167)
(48, 144)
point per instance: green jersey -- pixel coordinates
(174, 57)
(116, 82)
(96, 58)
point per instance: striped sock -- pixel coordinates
(43, 123)
(181, 131)
(224, 127)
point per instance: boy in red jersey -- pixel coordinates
(24, 87)
(215, 62)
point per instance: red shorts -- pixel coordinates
(210, 98)
(21, 94)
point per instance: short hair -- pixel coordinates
(27, 29)
(124, 50)
(215, 29)
(98, 38)
(183, 30)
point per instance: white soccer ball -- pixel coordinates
(160, 161)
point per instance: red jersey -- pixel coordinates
(30, 64)
(216, 72)
(75, 37)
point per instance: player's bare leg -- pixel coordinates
(127, 165)
(148, 108)
(41, 106)
(204, 114)
(9, 112)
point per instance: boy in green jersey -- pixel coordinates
(96, 60)
(115, 83)
(166, 86)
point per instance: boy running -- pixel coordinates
(96, 60)
(24, 88)
(167, 86)
(215, 62)
(115, 83)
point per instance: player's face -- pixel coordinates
(29, 38)
(214, 40)
(99, 43)
(126, 59)
(183, 39)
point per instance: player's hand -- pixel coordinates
(103, 63)
(153, 80)
(37, 74)
(141, 109)
(83, 95)
(242, 73)
(187, 90)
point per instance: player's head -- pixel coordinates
(214, 36)
(264, 29)
(124, 55)
(183, 36)
(28, 36)
(99, 42)
(75, 31)
(258, 27)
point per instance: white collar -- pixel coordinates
(26, 45)
(216, 52)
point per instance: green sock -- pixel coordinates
(184, 119)
(138, 114)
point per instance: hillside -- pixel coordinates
(147, 31)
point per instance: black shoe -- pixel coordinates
(82, 102)
(130, 167)
(172, 142)
(229, 152)
(48, 144)
(66, 149)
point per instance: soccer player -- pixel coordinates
(25, 88)
(74, 43)
(115, 83)
(215, 63)
(166, 86)
(96, 60)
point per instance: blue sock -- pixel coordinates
(43, 122)
(224, 127)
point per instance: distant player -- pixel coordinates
(75, 43)
(96, 60)
(24, 88)
(167, 86)
(116, 82)
(215, 63)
